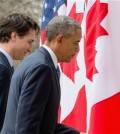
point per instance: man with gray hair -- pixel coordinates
(34, 96)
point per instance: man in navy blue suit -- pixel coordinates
(34, 96)
(17, 32)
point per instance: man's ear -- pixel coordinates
(59, 38)
(13, 36)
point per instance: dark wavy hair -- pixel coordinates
(16, 22)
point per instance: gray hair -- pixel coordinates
(61, 25)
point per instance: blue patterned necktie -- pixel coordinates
(58, 72)
(12, 68)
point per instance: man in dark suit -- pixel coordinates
(35, 90)
(17, 32)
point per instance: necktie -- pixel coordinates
(12, 69)
(58, 72)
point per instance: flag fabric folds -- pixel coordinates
(90, 82)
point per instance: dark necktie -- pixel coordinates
(12, 69)
(58, 72)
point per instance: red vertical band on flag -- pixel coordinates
(105, 116)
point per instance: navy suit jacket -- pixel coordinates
(34, 98)
(5, 78)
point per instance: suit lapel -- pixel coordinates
(5, 61)
(45, 52)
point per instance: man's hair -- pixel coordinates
(16, 22)
(61, 25)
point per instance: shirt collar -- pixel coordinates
(52, 54)
(10, 60)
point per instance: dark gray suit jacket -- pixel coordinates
(34, 98)
(5, 78)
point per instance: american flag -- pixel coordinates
(90, 87)
(50, 9)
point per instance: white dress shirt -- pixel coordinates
(52, 54)
(10, 60)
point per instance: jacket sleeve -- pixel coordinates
(34, 96)
(63, 129)
(4, 89)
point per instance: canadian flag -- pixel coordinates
(90, 83)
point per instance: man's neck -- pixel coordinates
(6, 48)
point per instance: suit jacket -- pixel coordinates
(5, 78)
(34, 98)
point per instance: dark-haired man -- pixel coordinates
(17, 33)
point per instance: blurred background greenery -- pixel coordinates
(33, 8)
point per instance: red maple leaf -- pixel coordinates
(93, 30)
(69, 69)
